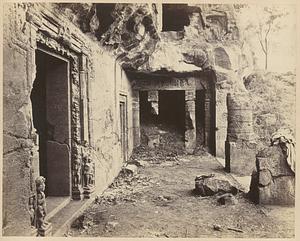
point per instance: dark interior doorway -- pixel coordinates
(50, 99)
(146, 116)
(206, 120)
(172, 109)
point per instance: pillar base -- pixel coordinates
(45, 232)
(240, 157)
(33, 232)
(87, 191)
(77, 194)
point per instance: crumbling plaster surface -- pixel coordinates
(18, 133)
(109, 82)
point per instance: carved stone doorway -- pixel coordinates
(50, 98)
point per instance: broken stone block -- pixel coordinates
(272, 182)
(110, 226)
(227, 198)
(240, 157)
(153, 140)
(130, 169)
(208, 185)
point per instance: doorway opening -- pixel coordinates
(50, 99)
(172, 110)
(123, 128)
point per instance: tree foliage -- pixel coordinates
(261, 22)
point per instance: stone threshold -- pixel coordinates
(244, 181)
(62, 220)
(55, 204)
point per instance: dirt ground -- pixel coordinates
(159, 202)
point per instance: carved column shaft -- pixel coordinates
(207, 119)
(190, 121)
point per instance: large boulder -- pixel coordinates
(208, 185)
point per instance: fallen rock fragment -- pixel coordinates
(217, 227)
(227, 198)
(130, 169)
(208, 185)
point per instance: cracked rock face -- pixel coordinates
(273, 182)
(132, 35)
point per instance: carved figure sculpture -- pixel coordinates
(41, 211)
(31, 207)
(87, 171)
(76, 173)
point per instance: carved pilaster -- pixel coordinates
(207, 120)
(77, 191)
(190, 121)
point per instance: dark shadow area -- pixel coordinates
(166, 129)
(50, 108)
(172, 109)
(39, 108)
(104, 14)
(146, 117)
(175, 17)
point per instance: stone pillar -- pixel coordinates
(153, 99)
(221, 123)
(240, 148)
(207, 120)
(190, 121)
(83, 98)
(136, 118)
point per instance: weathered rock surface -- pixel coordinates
(208, 185)
(273, 182)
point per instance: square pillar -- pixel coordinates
(190, 121)
(153, 99)
(207, 120)
(240, 157)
